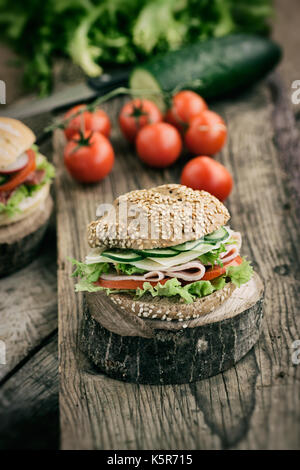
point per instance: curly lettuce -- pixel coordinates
(94, 34)
(11, 208)
(213, 257)
(128, 269)
(240, 274)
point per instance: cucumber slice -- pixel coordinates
(148, 264)
(122, 257)
(217, 236)
(157, 253)
(142, 80)
(187, 246)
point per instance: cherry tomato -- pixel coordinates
(96, 121)
(158, 145)
(205, 173)
(89, 157)
(206, 134)
(136, 114)
(185, 105)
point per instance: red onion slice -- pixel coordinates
(19, 164)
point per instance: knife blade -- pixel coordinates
(69, 96)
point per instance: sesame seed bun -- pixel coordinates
(27, 206)
(15, 138)
(170, 308)
(170, 214)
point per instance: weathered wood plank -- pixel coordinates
(28, 300)
(242, 408)
(29, 402)
(28, 307)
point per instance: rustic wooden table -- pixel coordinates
(255, 404)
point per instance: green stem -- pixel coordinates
(62, 123)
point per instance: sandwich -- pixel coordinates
(166, 253)
(25, 174)
(25, 202)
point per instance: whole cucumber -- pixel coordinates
(212, 68)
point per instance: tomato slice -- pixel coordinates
(130, 284)
(217, 271)
(21, 175)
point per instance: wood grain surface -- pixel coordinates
(29, 401)
(256, 403)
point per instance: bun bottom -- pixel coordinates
(20, 241)
(165, 308)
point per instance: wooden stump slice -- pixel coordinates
(149, 351)
(20, 241)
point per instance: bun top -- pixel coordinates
(157, 218)
(15, 138)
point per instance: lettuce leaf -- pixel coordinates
(213, 257)
(240, 274)
(85, 286)
(12, 206)
(128, 269)
(44, 164)
(89, 272)
(170, 289)
(173, 287)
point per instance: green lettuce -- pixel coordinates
(173, 288)
(89, 272)
(240, 274)
(128, 269)
(12, 206)
(213, 257)
(94, 34)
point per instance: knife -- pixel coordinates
(70, 96)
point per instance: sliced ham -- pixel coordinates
(231, 253)
(35, 177)
(191, 271)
